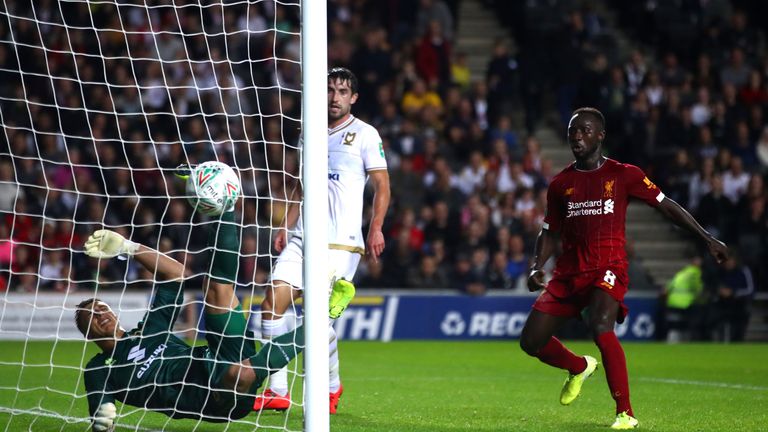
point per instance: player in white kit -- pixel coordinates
(355, 153)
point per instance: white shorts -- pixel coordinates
(289, 265)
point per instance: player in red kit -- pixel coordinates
(586, 208)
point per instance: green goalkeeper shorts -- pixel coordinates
(228, 341)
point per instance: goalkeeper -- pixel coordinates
(149, 367)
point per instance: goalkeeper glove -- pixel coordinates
(184, 170)
(108, 244)
(103, 419)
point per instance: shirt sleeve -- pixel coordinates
(373, 151)
(97, 385)
(554, 217)
(165, 308)
(641, 187)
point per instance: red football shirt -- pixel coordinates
(589, 208)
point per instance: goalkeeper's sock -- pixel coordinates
(276, 354)
(554, 353)
(615, 365)
(270, 329)
(333, 361)
(223, 238)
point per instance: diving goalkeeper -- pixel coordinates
(151, 368)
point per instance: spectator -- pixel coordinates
(716, 210)
(701, 183)
(470, 272)
(701, 111)
(9, 188)
(736, 72)
(743, 146)
(375, 276)
(498, 277)
(733, 301)
(735, 180)
(418, 97)
(501, 74)
(682, 294)
(755, 92)
(461, 75)
(433, 57)
(409, 183)
(427, 275)
(471, 177)
(636, 270)
(762, 150)
(519, 261)
(434, 11)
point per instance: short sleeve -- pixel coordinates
(554, 217)
(373, 151)
(641, 187)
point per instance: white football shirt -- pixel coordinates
(354, 149)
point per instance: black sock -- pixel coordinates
(277, 353)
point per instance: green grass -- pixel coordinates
(442, 386)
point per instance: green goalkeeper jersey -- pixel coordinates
(152, 368)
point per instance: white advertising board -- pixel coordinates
(48, 316)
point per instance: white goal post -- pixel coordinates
(100, 100)
(315, 148)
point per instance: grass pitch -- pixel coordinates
(438, 386)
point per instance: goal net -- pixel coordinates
(100, 101)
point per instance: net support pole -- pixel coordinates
(314, 66)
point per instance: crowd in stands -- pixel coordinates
(97, 143)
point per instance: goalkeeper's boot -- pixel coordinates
(270, 400)
(334, 399)
(624, 421)
(342, 293)
(184, 170)
(573, 383)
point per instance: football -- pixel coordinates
(213, 188)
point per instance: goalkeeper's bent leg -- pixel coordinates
(276, 354)
(224, 242)
(223, 238)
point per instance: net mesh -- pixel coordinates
(99, 102)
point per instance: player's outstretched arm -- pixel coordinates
(546, 243)
(680, 217)
(375, 241)
(108, 244)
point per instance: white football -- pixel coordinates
(213, 188)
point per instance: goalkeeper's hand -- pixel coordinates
(104, 418)
(108, 244)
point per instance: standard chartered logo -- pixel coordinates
(590, 208)
(608, 206)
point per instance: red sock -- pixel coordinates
(556, 354)
(615, 365)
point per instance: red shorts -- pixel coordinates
(568, 295)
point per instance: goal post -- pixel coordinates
(100, 101)
(315, 173)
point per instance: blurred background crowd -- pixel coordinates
(100, 102)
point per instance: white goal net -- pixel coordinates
(100, 101)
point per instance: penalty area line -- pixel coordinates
(704, 383)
